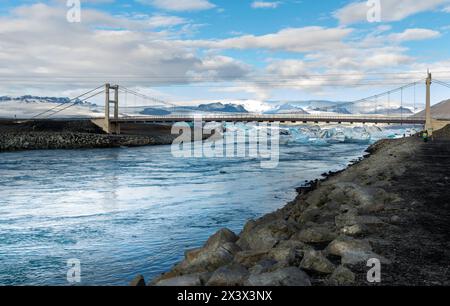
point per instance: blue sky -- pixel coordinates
(193, 50)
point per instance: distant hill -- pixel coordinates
(37, 99)
(334, 109)
(217, 107)
(223, 108)
(392, 111)
(155, 112)
(440, 110)
(303, 107)
(311, 104)
(34, 99)
(29, 106)
(287, 109)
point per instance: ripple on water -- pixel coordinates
(128, 211)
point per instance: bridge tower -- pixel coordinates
(109, 127)
(428, 117)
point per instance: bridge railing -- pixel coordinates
(283, 117)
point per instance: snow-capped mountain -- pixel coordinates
(29, 106)
(286, 109)
(223, 108)
(392, 111)
(315, 104)
(155, 112)
(36, 99)
(369, 108)
(307, 107)
(216, 107)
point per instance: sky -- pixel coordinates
(186, 51)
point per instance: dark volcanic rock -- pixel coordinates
(49, 135)
(139, 281)
(289, 276)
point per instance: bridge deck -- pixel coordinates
(272, 118)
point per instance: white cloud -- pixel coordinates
(38, 45)
(289, 67)
(414, 34)
(446, 9)
(158, 21)
(265, 4)
(41, 49)
(391, 10)
(180, 5)
(291, 39)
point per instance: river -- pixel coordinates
(128, 211)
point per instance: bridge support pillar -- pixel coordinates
(428, 117)
(111, 128)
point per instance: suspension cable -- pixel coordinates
(62, 104)
(376, 96)
(442, 83)
(143, 96)
(81, 101)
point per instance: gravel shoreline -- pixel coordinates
(392, 205)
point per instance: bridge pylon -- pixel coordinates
(428, 117)
(109, 127)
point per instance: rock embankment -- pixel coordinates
(54, 140)
(36, 135)
(373, 209)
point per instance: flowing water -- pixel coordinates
(128, 211)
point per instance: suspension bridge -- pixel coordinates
(114, 118)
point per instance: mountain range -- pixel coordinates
(15, 106)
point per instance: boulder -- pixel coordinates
(342, 245)
(231, 275)
(367, 200)
(138, 281)
(352, 251)
(208, 259)
(346, 219)
(181, 281)
(192, 254)
(285, 254)
(250, 258)
(317, 262)
(350, 222)
(299, 247)
(341, 276)
(373, 208)
(221, 237)
(338, 194)
(318, 197)
(315, 234)
(395, 219)
(358, 195)
(263, 266)
(170, 274)
(311, 214)
(265, 236)
(354, 230)
(219, 250)
(290, 276)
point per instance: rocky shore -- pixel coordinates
(40, 135)
(393, 206)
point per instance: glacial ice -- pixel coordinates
(332, 134)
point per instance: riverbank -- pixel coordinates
(66, 134)
(392, 206)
